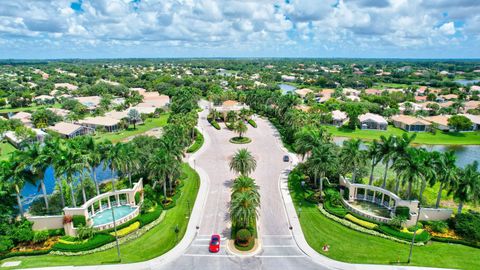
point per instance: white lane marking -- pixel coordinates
(277, 235)
(280, 246)
(280, 256)
(208, 255)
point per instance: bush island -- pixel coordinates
(243, 237)
(149, 217)
(424, 236)
(467, 225)
(438, 226)
(96, 241)
(215, 124)
(240, 140)
(402, 211)
(337, 211)
(198, 142)
(252, 123)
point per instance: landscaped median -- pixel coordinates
(156, 241)
(355, 246)
(197, 144)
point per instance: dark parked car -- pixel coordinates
(286, 158)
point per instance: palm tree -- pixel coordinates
(409, 168)
(467, 187)
(386, 149)
(134, 117)
(243, 208)
(15, 172)
(94, 159)
(243, 162)
(114, 158)
(447, 174)
(128, 158)
(245, 184)
(352, 157)
(323, 158)
(240, 128)
(231, 116)
(52, 153)
(158, 169)
(374, 154)
(402, 144)
(32, 157)
(308, 138)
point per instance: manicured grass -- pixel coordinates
(198, 142)
(465, 138)
(5, 149)
(154, 243)
(240, 140)
(390, 85)
(351, 246)
(149, 124)
(8, 109)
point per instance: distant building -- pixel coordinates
(288, 78)
(339, 118)
(91, 102)
(475, 120)
(109, 124)
(69, 130)
(303, 92)
(410, 123)
(441, 121)
(372, 121)
(24, 117)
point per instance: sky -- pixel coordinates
(48, 29)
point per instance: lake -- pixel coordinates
(466, 154)
(30, 192)
(465, 82)
(286, 88)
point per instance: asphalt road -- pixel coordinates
(279, 249)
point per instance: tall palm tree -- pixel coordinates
(32, 157)
(15, 172)
(94, 159)
(323, 158)
(467, 187)
(352, 157)
(52, 153)
(158, 169)
(243, 208)
(70, 164)
(243, 162)
(308, 138)
(447, 174)
(409, 168)
(387, 146)
(240, 128)
(245, 184)
(374, 154)
(402, 144)
(128, 158)
(114, 161)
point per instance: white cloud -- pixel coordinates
(448, 28)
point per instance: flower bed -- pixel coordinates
(360, 222)
(96, 241)
(128, 230)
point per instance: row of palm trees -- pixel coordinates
(157, 160)
(413, 166)
(245, 198)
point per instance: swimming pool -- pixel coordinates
(105, 216)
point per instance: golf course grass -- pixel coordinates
(352, 246)
(152, 244)
(451, 138)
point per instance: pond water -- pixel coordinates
(466, 154)
(286, 88)
(30, 192)
(465, 82)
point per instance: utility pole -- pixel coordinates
(115, 224)
(414, 234)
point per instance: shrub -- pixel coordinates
(128, 230)
(402, 211)
(146, 206)
(243, 237)
(397, 222)
(252, 123)
(24, 253)
(56, 232)
(79, 220)
(138, 197)
(438, 226)
(85, 232)
(5, 244)
(467, 225)
(215, 124)
(96, 241)
(149, 217)
(40, 236)
(22, 232)
(337, 211)
(422, 236)
(198, 142)
(333, 196)
(360, 222)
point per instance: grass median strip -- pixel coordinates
(152, 244)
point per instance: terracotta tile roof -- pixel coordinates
(409, 120)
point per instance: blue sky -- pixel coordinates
(226, 28)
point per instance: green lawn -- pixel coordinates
(7, 109)
(5, 149)
(390, 85)
(149, 124)
(348, 245)
(451, 138)
(154, 243)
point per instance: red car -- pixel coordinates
(214, 245)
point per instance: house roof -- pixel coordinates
(59, 112)
(22, 115)
(409, 120)
(65, 128)
(474, 118)
(438, 119)
(420, 98)
(43, 97)
(69, 86)
(449, 96)
(100, 121)
(339, 115)
(327, 92)
(230, 103)
(303, 92)
(372, 117)
(90, 101)
(372, 91)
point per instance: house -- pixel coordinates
(11, 136)
(69, 130)
(472, 105)
(90, 102)
(350, 92)
(68, 86)
(108, 123)
(303, 92)
(372, 91)
(441, 121)
(302, 107)
(420, 98)
(155, 100)
(475, 120)
(118, 115)
(352, 98)
(288, 78)
(60, 112)
(24, 117)
(230, 105)
(448, 97)
(339, 118)
(372, 121)
(44, 99)
(410, 123)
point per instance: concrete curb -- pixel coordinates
(257, 248)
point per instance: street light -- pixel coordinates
(414, 234)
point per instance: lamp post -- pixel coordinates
(414, 234)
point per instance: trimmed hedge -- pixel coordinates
(361, 222)
(125, 231)
(455, 241)
(149, 217)
(215, 124)
(56, 232)
(422, 237)
(24, 253)
(96, 241)
(252, 123)
(79, 220)
(402, 211)
(340, 212)
(198, 142)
